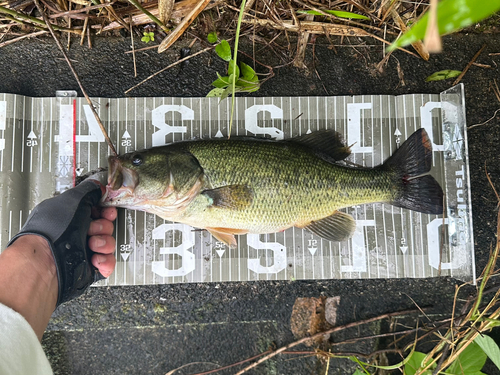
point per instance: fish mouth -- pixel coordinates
(121, 184)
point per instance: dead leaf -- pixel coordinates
(308, 318)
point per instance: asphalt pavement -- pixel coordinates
(154, 329)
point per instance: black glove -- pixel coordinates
(64, 222)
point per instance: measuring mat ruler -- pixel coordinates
(45, 143)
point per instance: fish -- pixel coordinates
(250, 185)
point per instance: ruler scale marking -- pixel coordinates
(376, 131)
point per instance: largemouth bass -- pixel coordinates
(249, 185)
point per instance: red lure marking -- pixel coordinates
(406, 179)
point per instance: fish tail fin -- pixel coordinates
(414, 191)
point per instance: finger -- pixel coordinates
(100, 226)
(102, 244)
(104, 263)
(109, 213)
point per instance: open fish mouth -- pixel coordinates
(121, 183)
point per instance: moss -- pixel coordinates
(160, 308)
(126, 308)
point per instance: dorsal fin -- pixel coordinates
(327, 142)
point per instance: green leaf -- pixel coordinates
(415, 362)
(231, 78)
(212, 37)
(145, 39)
(232, 68)
(217, 92)
(221, 81)
(358, 372)
(337, 13)
(443, 74)
(470, 361)
(247, 86)
(342, 14)
(223, 50)
(250, 80)
(226, 93)
(247, 72)
(490, 347)
(452, 15)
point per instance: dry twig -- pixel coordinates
(31, 35)
(103, 129)
(133, 47)
(419, 46)
(179, 30)
(459, 78)
(165, 8)
(321, 334)
(168, 67)
(485, 122)
(318, 28)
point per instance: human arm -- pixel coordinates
(28, 273)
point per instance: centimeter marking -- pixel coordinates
(301, 115)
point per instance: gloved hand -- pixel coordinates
(64, 222)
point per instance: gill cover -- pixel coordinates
(160, 177)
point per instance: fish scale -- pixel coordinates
(259, 186)
(291, 185)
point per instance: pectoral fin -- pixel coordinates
(226, 235)
(336, 227)
(233, 197)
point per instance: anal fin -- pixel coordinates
(337, 227)
(226, 235)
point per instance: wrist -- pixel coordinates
(33, 253)
(28, 277)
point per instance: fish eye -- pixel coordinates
(137, 160)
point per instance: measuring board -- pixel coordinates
(46, 142)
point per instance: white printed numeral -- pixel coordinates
(188, 261)
(279, 255)
(126, 139)
(313, 246)
(251, 120)
(220, 248)
(125, 250)
(354, 126)
(31, 141)
(65, 138)
(3, 122)
(434, 244)
(426, 118)
(358, 245)
(95, 133)
(158, 120)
